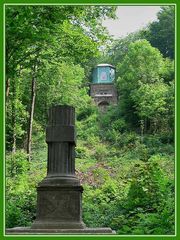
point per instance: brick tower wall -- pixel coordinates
(103, 94)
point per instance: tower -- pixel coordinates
(102, 88)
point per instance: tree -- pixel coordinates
(150, 103)
(161, 33)
(118, 48)
(38, 36)
(142, 89)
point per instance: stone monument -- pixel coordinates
(59, 195)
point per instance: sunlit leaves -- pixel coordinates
(144, 83)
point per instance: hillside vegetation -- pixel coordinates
(125, 156)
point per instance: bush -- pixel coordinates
(101, 152)
(21, 179)
(99, 204)
(20, 208)
(82, 152)
(16, 163)
(149, 206)
(88, 127)
(86, 111)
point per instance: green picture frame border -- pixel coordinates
(2, 116)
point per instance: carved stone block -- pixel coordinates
(59, 207)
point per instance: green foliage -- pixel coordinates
(144, 94)
(147, 209)
(148, 186)
(82, 152)
(21, 181)
(53, 31)
(101, 152)
(99, 203)
(150, 100)
(141, 204)
(48, 44)
(16, 115)
(16, 164)
(118, 49)
(64, 79)
(20, 209)
(20, 198)
(161, 33)
(144, 65)
(124, 157)
(88, 128)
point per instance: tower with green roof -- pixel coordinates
(102, 88)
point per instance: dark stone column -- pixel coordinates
(59, 194)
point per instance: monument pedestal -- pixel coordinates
(59, 207)
(59, 195)
(84, 231)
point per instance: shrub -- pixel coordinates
(16, 163)
(82, 152)
(99, 204)
(101, 152)
(21, 179)
(149, 206)
(20, 208)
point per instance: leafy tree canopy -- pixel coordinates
(161, 33)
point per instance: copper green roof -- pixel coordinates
(105, 65)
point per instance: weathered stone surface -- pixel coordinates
(59, 194)
(60, 134)
(103, 93)
(60, 137)
(59, 207)
(85, 231)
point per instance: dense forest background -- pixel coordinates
(124, 157)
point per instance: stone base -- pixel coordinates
(59, 207)
(51, 224)
(85, 231)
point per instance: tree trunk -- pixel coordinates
(142, 130)
(14, 127)
(7, 87)
(7, 93)
(13, 116)
(31, 113)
